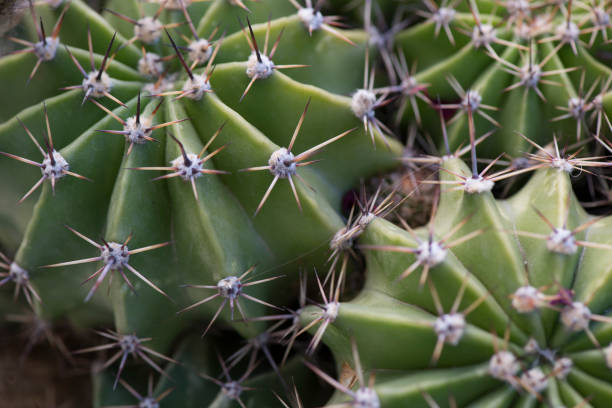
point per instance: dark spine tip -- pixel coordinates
(42, 32)
(50, 153)
(183, 152)
(179, 55)
(254, 40)
(103, 65)
(138, 109)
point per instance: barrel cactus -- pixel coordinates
(211, 153)
(511, 313)
(525, 67)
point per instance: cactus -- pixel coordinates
(524, 67)
(206, 150)
(503, 332)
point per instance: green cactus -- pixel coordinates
(500, 267)
(524, 66)
(196, 160)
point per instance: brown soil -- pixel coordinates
(41, 378)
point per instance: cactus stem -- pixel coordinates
(96, 83)
(600, 19)
(364, 102)
(261, 343)
(534, 381)
(20, 277)
(567, 32)
(53, 166)
(471, 100)
(232, 389)
(147, 30)
(115, 257)
(560, 161)
(373, 207)
(341, 245)
(383, 40)
(441, 16)
(128, 344)
(479, 183)
(429, 253)
(329, 311)
(562, 368)
(148, 401)
(293, 316)
(526, 299)
(457, 154)
(230, 288)
(260, 65)
(409, 88)
(483, 35)
(576, 316)
(135, 130)
(450, 327)
(365, 396)
(563, 240)
(159, 88)
(529, 41)
(197, 85)
(46, 47)
(283, 164)
(577, 107)
(314, 20)
(201, 49)
(531, 74)
(189, 166)
(503, 365)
